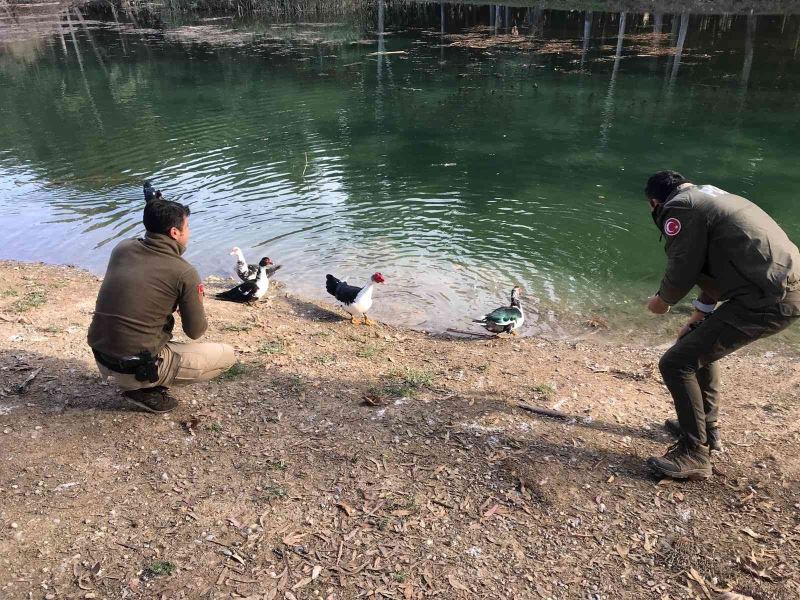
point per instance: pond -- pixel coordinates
(458, 149)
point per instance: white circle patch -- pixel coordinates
(672, 226)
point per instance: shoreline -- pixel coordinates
(338, 460)
(654, 333)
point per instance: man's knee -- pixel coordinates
(227, 358)
(673, 364)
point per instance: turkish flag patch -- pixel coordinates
(672, 226)
(201, 290)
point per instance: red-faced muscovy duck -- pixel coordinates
(506, 319)
(355, 300)
(248, 272)
(249, 291)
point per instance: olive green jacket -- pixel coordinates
(728, 247)
(145, 283)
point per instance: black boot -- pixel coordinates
(712, 434)
(155, 399)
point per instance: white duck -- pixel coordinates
(248, 272)
(250, 291)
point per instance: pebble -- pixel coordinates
(164, 477)
(14, 525)
(6, 430)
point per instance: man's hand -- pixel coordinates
(695, 318)
(657, 306)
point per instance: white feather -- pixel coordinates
(363, 301)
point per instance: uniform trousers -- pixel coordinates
(180, 364)
(690, 369)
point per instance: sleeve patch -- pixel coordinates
(672, 226)
(201, 290)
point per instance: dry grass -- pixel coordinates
(279, 482)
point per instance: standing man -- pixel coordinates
(145, 283)
(737, 255)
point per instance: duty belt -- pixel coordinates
(143, 366)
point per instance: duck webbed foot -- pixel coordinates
(368, 321)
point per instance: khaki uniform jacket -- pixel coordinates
(730, 248)
(145, 282)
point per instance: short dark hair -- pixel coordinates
(162, 215)
(662, 184)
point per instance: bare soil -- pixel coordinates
(342, 462)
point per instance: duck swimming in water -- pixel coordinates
(150, 193)
(506, 319)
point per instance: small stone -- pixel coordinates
(6, 430)
(14, 526)
(164, 477)
(38, 427)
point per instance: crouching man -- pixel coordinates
(748, 272)
(145, 282)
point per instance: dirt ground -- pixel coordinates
(344, 462)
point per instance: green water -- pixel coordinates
(456, 172)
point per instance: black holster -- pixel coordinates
(148, 369)
(143, 366)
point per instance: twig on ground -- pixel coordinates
(547, 412)
(23, 387)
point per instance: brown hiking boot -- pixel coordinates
(155, 400)
(683, 462)
(712, 434)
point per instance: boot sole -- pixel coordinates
(695, 475)
(149, 409)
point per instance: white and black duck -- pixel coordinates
(506, 319)
(250, 291)
(355, 300)
(248, 272)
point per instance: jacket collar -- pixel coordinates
(659, 212)
(162, 243)
(678, 190)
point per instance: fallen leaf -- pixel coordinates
(316, 572)
(457, 585)
(302, 583)
(346, 508)
(751, 533)
(695, 576)
(293, 539)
